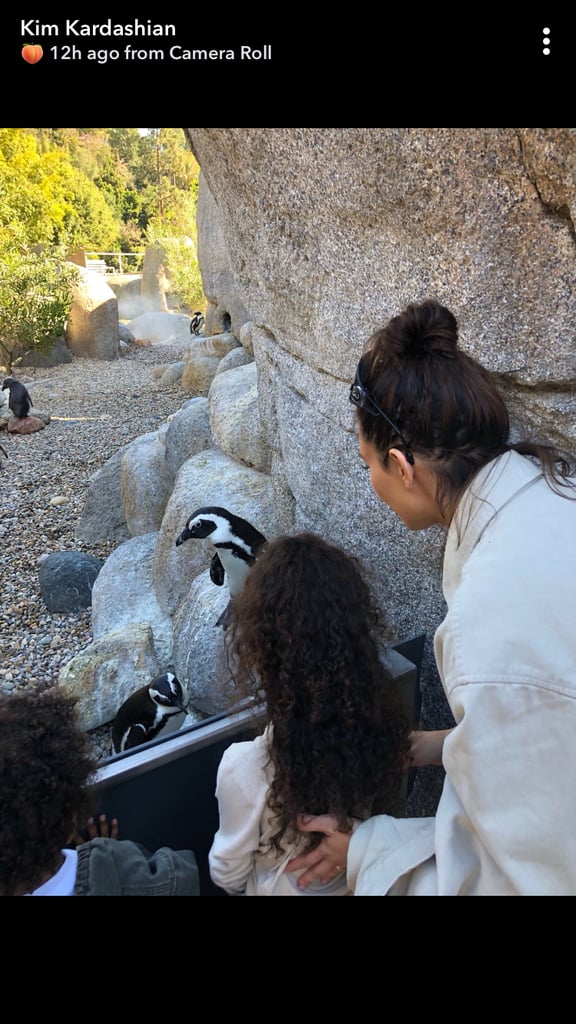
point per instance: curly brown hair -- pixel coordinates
(302, 640)
(45, 767)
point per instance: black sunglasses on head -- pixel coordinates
(362, 399)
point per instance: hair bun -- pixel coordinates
(423, 330)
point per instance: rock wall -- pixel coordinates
(328, 233)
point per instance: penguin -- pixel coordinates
(197, 322)
(237, 545)
(19, 400)
(145, 713)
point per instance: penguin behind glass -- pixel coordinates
(145, 713)
(197, 322)
(19, 401)
(237, 545)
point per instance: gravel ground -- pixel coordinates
(95, 408)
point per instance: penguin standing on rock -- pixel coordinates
(237, 545)
(197, 322)
(142, 716)
(19, 401)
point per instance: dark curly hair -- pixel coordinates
(45, 768)
(302, 641)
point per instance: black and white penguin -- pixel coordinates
(19, 401)
(197, 322)
(142, 716)
(237, 545)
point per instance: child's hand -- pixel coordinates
(95, 828)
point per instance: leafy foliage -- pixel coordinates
(98, 189)
(36, 290)
(44, 198)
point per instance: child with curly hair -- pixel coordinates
(46, 767)
(302, 640)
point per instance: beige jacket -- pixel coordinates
(506, 653)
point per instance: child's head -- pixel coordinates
(45, 767)
(305, 611)
(302, 639)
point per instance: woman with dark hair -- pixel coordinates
(302, 642)
(434, 433)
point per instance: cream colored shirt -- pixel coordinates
(506, 653)
(240, 860)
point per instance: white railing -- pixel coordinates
(128, 262)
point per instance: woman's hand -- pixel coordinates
(426, 748)
(328, 859)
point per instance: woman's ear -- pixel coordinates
(404, 468)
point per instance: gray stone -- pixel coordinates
(237, 357)
(92, 328)
(155, 279)
(200, 660)
(198, 374)
(477, 217)
(203, 358)
(123, 594)
(145, 484)
(106, 672)
(56, 354)
(188, 433)
(172, 374)
(66, 580)
(235, 417)
(225, 310)
(218, 345)
(103, 516)
(125, 335)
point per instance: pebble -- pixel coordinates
(38, 519)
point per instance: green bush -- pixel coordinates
(175, 231)
(36, 290)
(184, 273)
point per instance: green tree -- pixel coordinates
(36, 290)
(173, 225)
(44, 198)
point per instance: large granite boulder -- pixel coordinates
(123, 595)
(225, 310)
(155, 279)
(92, 328)
(366, 221)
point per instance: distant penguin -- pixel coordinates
(145, 713)
(197, 322)
(19, 401)
(237, 545)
